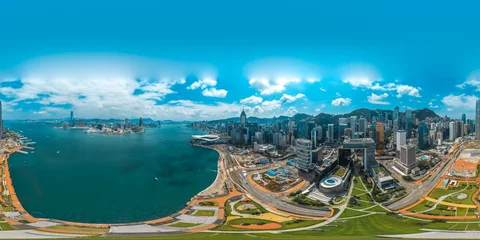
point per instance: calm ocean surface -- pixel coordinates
(99, 178)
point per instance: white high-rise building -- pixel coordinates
(304, 158)
(353, 123)
(401, 139)
(452, 132)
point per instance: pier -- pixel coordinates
(22, 152)
(29, 148)
(30, 143)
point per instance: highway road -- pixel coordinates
(428, 184)
(269, 198)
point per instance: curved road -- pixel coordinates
(271, 199)
(428, 184)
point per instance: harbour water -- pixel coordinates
(97, 178)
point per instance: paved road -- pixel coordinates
(30, 234)
(438, 235)
(428, 184)
(270, 199)
(328, 221)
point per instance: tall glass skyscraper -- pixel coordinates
(422, 135)
(408, 123)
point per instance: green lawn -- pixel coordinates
(425, 205)
(184, 224)
(299, 223)
(204, 213)
(258, 208)
(5, 226)
(210, 203)
(352, 213)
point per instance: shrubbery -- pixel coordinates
(302, 199)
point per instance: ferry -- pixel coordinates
(156, 179)
(58, 151)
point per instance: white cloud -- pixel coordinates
(359, 82)
(341, 102)
(378, 99)
(251, 100)
(202, 83)
(323, 89)
(288, 98)
(470, 82)
(43, 113)
(291, 111)
(213, 92)
(271, 105)
(269, 86)
(407, 90)
(431, 105)
(318, 110)
(460, 101)
(312, 80)
(338, 95)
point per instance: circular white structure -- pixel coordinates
(206, 138)
(331, 184)
(462, 196)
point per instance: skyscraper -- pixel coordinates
(330, 135)
(304, 160)
(422, 135)
(362, 126)
(341, 130)
(353, 123)
(71, 119)
(408, 123)
(243, 118)
(140, 122)
(401, 139)
(451, 127)
(477, 120)
(464, 118)
(379, 136)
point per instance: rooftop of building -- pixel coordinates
(380, 171)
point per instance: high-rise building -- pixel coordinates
(464, 118)
(243, 118)
(353, 123)
(477, 120)
(341, 130)
(407, 158)
(362, 126)
(471, 126)
(72, 123)
(140, 122)
(330, 135)
(408, 123)
(401, 139)
(342, 121)
(304, 159)
(126, 123)
(422, 135)
(379, 137)
(452, 134)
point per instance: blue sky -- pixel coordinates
(198, 60)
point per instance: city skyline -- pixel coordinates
(210, 69)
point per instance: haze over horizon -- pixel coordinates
(113, 59)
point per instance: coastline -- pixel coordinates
(16, 202)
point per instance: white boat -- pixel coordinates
(58, 151)
(156, 179)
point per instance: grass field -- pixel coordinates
(258, 208)
(352, 213)
(425, 205)
(184, 224)
(5, 226)
(204, 213)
